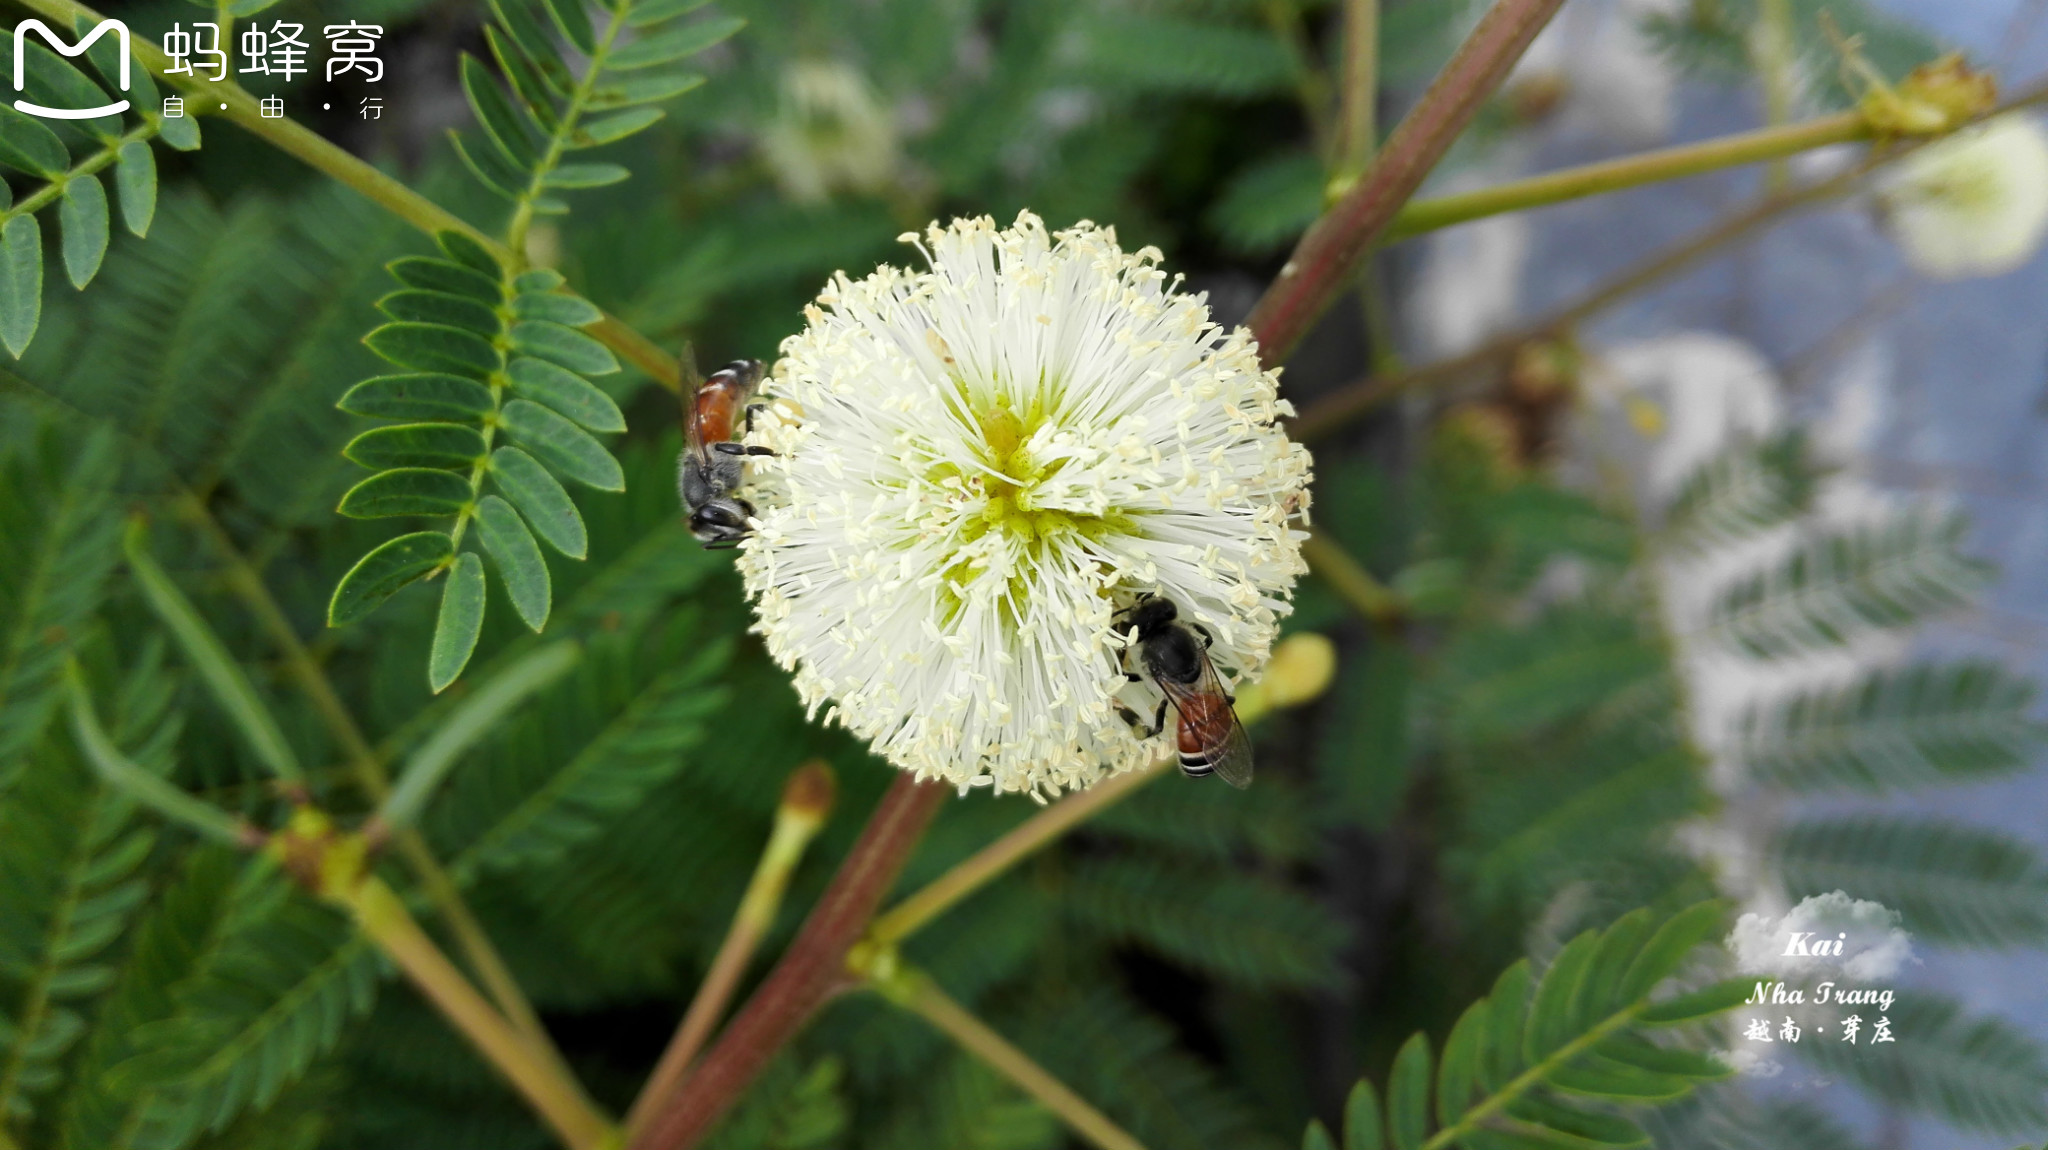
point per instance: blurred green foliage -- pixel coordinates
(1500, 772)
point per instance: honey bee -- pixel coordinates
(709, 472)
(1209, 737)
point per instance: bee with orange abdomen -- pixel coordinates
(1209, 737)
(710, 468)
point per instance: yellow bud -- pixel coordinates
(1302, 667)
(1936, 97)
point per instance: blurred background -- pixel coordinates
(1737, 586)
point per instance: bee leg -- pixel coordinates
(1158, 719)
(1134, 676)
(1208, 640)
(730, 448)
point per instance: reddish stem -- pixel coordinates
(1326, 257)
(811, 971)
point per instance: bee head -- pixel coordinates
(721, 521)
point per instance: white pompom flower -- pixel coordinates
(1975, 204)
(977, 465)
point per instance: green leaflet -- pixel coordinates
(385, 572)
(440, 275)
(562, 445)
(1408, 1094)
(656, 11)
(541, 499)
(439, 308)
(627, 91)
(502, 123)
(586, 176)
(82, 217)
(434, 347)
(615, 127)
(1521, 1054)
(459, 623)
(421, 396)
(675, 43)
(573, 22)
(566, 392)
(518, 557)
(28, 145)
(135, 183)
(469, 252)
(564, 346)
(568, 310)
(21, 282)
(407, 491)
(417, 445)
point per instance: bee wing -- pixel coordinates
(693, 434)
(1230, 751)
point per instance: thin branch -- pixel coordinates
(1349, 402)
(1358, 99)
(1322, 263)
(384, 919)
(811, 971)
(159, 794)
(806, 802)
(230, 101)
(369, 772)
(1340, 407)
(1350, 580)
(1630, 172)
(914, 991)
(991, 861)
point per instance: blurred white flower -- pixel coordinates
(978, 464)
(831, 134)
(1975, 204)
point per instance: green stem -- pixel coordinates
(1350, 580)
(1775, 63)
(1629, 172)
(991, 861)
(160, 795)
(811, 971)
(558, 140)
(53, 191)
(1358, 128)
(1529, 1079)
(913, 990)
(1322, 264)
(294, 139)
(384, 919)
(806, 801)
(370, 776)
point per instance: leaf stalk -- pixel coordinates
(913, 990)
(806, 803)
